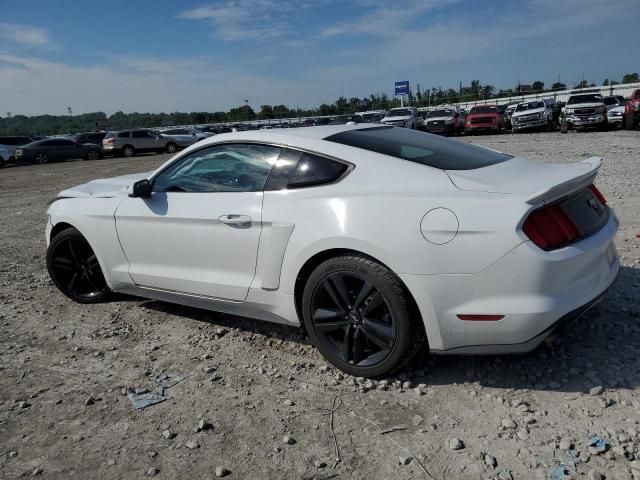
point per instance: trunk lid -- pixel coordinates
(538, 182)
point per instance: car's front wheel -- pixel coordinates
(359, 317)
(41, 158)
(171, 147)
(74, 268)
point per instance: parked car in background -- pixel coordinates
(373, 116)
(506, 116)
(632, 111)
(442, 120)
(10, 143)
(615, 117)
(344, 120)
(131, 142)
(4, 157)
(89, 137)
(584, 110)
(57, 149)
(185, 136)
(532, 115)
(407, 117)
(614, 101)
(483, 118)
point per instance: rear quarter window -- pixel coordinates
(295, 169)
(423, 148)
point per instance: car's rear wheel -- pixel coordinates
(74, 268)
(564, 127)
(41, 158)
(171, 147)
(93, 155)
(128, 151)
(359, 317)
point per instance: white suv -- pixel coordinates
(407, 117)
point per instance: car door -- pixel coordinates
(199, 230)
(142, 140)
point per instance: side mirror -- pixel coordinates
(142, 188)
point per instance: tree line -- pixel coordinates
(41, 125)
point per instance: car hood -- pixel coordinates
(393, 119)
(619, 109)
(528, 112)
(584, 105)
(104, 187)
(529, 178)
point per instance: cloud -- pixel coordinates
(236, 20)
(24, 35)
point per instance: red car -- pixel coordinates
(483, 118)
(632, 111)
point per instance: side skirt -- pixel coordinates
(243, 309)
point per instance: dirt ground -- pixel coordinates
(271, 407)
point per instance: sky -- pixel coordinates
(165, 56)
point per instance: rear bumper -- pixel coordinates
(534, 290)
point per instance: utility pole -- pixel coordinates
(70, 112)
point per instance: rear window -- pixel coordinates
(426, 149)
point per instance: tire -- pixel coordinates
(128, 151)
(171, 147)
(629, 122)
(74, 268)
(93, 155)
(374, 332)
(41, 158)
(564, 128)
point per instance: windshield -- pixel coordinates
(475, 110)
(440, 113)
(414, 146)
(399, 112)
(529, 106)
(610, 100)
(589, 98)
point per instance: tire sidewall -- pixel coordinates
(389, 286)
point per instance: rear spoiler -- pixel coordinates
(560, 190)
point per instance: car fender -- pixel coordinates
(94, 219)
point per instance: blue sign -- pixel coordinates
(402, 88)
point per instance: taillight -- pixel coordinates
(109, 140)
(550, 228)
(598, 194)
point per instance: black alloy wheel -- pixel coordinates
(41, 158)
(93, 155)
(128, 151)
(171, 147)
(357, 314)
(74, 268)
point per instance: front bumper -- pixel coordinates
(586, 121)
(529, 124)
(615, 120)
(476, 127)
(531, 288)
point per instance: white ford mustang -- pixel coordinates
(378, 239)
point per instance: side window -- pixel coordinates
(124, 134)
(139, 134)
(221, 168)
(301, 169)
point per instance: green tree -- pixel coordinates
(558, 86)
(537, 86)
(631, 78)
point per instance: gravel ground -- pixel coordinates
(259, 402)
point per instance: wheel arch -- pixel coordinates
(315, 260)
(59, 228)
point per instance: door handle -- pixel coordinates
(240, 221)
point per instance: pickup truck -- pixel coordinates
(533, 114)
(402, 117)
(632, 111)
(584, 110)
(442, 120)
(483, 118)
